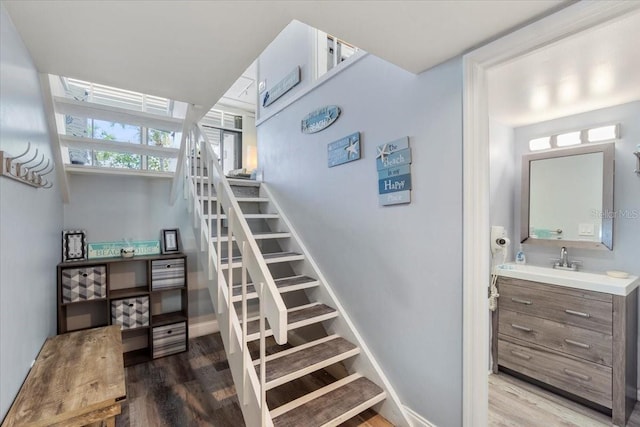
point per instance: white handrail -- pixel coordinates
(203, 175)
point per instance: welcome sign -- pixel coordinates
(393, 161)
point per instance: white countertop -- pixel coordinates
(571, 279)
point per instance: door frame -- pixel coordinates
(569, 21)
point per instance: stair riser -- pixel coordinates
(238, 191)
(292, 326)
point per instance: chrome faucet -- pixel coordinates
(564, 257)
(563, 263)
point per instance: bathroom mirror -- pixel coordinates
(567, 197)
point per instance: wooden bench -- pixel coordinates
(77, 380)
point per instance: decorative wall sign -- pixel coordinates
(282, 87)
(393, 161)
(170, 240)
(344, 150)
(320, 119)
(112, 249)
(74, 245)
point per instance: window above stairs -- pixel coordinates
(107, 130)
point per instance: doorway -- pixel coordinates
(574, 19)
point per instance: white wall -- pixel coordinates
(397, 270)
(626, 228)
(502, 169)
(111, 208)
(30, 222)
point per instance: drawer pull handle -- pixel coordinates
(521, 355)
(168, 265)
(577, 343)
(85, 275)
(130, 305)
(169, 331)
(577, 375)
(521, 301)
(521, 328)
(578, 313)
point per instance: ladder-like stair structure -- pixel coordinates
(308, 310)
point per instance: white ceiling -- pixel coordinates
(193, 51)
(594, 69)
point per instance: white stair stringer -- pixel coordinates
(365, 364)
(217, 286)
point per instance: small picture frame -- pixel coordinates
(74, 245)
(170, 241)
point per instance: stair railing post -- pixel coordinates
(210, 218)
(263, 356)
(245, 348)
(203, 165)
(219, 245)
(230, 223)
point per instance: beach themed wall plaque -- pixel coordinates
(320, 119)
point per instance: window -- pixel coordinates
(114, 144)
(331, 51)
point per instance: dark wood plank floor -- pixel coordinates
(196, 389)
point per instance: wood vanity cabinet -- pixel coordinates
(581, 343)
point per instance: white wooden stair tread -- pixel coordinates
(334, 407)
(238, 199)
(247, 216)
(258, 235)
(308, 359)
(270, 258)
(286, 284)
(296, 318)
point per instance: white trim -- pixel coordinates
(117, 146)
(203, 328)
(416, 419)
(573, 19)
(99, 170)
(116, 114)
(315, 85)
(49, 111)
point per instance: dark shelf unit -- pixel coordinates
(88, 288)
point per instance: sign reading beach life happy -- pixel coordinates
(344, 150)
(393, 161)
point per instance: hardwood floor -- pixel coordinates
(515, 403)
(196, 389)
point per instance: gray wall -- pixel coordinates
(30, 222)
(626, 234)
(111, 208)
(397, 270)
(502, 178)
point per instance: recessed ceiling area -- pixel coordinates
(194, 51)
(594, 69)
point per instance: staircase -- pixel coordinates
(264, 284)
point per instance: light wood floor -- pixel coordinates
(196, 389)
(515, 403)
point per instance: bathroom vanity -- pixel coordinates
(573, 332)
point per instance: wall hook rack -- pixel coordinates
(27, 172)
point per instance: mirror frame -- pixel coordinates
(608, 150)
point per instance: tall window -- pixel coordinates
(331, 51)
(224, 132)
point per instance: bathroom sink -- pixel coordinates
(572, 279)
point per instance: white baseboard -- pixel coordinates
(203, 328)
(416, 419)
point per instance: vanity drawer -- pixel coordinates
(583, 343)
(544, 301)
(585, 379)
